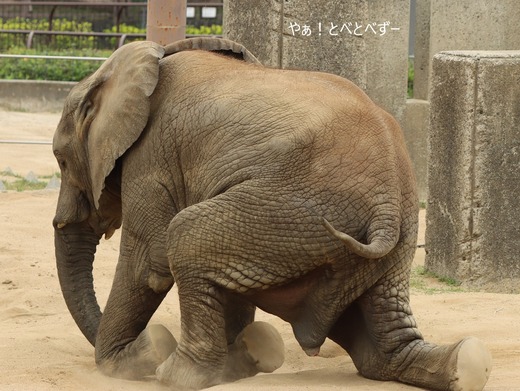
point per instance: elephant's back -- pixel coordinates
(219, 74)
(305, 128)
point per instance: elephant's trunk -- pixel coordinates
(75, 246)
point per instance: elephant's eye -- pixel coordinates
(60, 160)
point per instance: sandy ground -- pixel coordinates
(42, 349)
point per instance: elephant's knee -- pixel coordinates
(183, 231)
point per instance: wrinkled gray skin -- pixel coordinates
(249, 187)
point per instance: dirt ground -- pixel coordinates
(42, 349)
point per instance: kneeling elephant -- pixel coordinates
(249, 187)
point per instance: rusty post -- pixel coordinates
(166, 21)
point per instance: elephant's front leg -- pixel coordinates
(125, 347)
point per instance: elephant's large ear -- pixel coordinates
(117, 106)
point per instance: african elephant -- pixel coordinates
(249, 187)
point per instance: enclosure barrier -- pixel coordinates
(472, 225)
(121, 38)
(104, 21)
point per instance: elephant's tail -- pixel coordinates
(379, 246)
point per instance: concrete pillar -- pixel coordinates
(166, 21)
(330, 36)
(415, 128)
(421, 59)
(473, 230)
(462, 25)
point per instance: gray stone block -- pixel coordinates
(8, 171)
(31, 177)
(34, 95)
(273, 31)
(54, 183)
(463, 25)
(415, 128)
(472, 232)
(257, 26)
(2, 186)
(421, 59)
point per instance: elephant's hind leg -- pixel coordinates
(380, 334)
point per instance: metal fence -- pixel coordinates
(61, 25)
(70, 38)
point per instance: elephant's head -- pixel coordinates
(103, 116)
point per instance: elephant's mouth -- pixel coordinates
(110, 232)
(106, 228)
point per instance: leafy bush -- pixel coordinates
(123, 29)
(19, 23)
(8, 40)
(411, 76)
(12, 181)
(204, 30)
(63, 70)
(42, 69)
(126, 29)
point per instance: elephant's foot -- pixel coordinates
(141, 357)
(183, 371)
(258, 348)
(464, 366)
(473, 366)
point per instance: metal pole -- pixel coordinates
(166, 21)
(27, 142)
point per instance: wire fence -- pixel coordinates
(47, 25)
(56, 40)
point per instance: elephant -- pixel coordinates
(249, 187)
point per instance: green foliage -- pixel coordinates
(204, 30)
(63, 70)
(43, 24)
(425, 281)
(42, 69)
(125, 29)
(57, 41)
(411, 76)
(23, 184)
(18, 183)
(190, 30)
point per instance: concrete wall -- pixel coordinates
(443, 25)
(33, 95)
(421, 49)
(376, 62)
(472, 232)
(415, 128)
